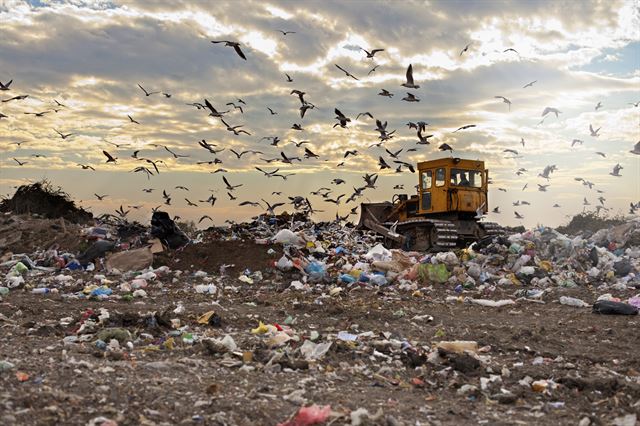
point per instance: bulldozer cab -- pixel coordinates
(452, 185)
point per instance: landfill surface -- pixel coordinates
(283, 321)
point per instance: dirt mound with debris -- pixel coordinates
(212, 253)
(26, 234)
(43, 199)
(588, 223)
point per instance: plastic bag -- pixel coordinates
(428, 273)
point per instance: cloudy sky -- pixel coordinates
(90, 56)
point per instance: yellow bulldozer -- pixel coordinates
(444, 214)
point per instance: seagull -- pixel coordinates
(271, 208)
(214, 112)
(239, 155)
(347, 73)
(272, 111)
(300, 95)
(173, 153)
(236, 107)
(132, 120)
(556, 205)
(466, 48)
(511, 50)
(250, 203)
(547, 110)
(410, 98)
(110, 159)
(288, 160)
(602, 154)
(190, 203)
(423, 139)
(229, 186)
(636, 149)
(598, 106)
(410, 84)
(393, 154)
(166, 95)
(576, 141)
(304, 108)
(585, 202)
(309, 154)
(342, 120)
(518, 215)
(100, 197)
(16, 98)
(505, 100)
(542, 188)
(371, 54)
(86, 167)
(594, 133)
(385, 92)
(547, 171)
(20, 163)
(205, 217)
(364, 113)
(296, 126)
(383, 164)
(145, 92)
(299, 144)
(63, 136)
(468, 126)
(479, 212)
(373, 69)
(231, 197)
(6, 85)
(496, 210)
(350, 152)
(511, 151)
(286, 32)
(289, 79)
(338, 181)
(616, 170)
(405, 164)
(529, 84)
(234, 129)
(445, 147)
(234, 44)
(38, 114)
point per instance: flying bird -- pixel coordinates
(234, 44)
(409, 83)
(272, 111)
(616, 170)
(373, 69)
(385, 92)
(636, 149)
(100, 197)
(594, 133)
(468, 126)
(6, 85)
(347, 73)
(145, 91)
(110, 159)
(289, 79)
(16, 98)
(529, 84)
(229, 186)
(466, 48)
(547, 110)
(364, 113)
(286, 32)
(445, 147)
(371, 54)
(505, 100)
(598, 106)
(62, 135)
(576, 142)
(86, 167)
(410, 98)
(20, 163)
(342, 119)
(132, 120)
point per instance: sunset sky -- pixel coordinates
(91, 55)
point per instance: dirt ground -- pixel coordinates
(593, 359)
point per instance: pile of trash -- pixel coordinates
(312, 266)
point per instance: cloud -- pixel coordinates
(90, 56)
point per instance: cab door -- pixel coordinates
(426, 183)
(439, 195)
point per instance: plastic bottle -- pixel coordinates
(40, 290)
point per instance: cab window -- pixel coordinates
(427, 179)
(469, 178)
(440, 176)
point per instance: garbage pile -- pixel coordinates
(299, 304)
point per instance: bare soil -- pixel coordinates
(594, 359)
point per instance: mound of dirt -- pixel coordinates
(43, 199)
(588, 222)
(211, 254)
(26, 234)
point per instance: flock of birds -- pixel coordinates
(390, 159)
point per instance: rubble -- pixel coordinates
(311, 323)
